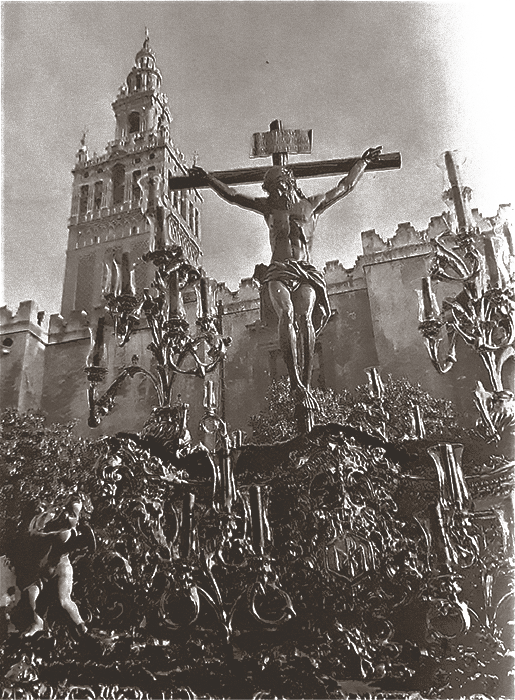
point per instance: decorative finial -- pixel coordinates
(84, 135)
(147, 39)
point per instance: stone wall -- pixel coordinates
(374, 323)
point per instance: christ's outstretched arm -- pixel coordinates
(231, 195)
(347, 184)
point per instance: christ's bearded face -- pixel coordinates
(281, 187)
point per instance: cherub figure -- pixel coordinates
(57, 532)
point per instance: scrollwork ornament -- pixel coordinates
(266, 591)
(174, 348)
(180, 595)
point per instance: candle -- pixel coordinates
(159, 229)
(375, 381)
(209, 395)
(132, 281)
(97, 354)
(117, 278)
(418, 421)
(173, 294)
(497, 256)
(186, 543)
(227, 482)
(238, 436)
(460, 204)
(453, 489)
(107, 280)
(128, 286)
(256, 516)
(204, 296)
(430, 305)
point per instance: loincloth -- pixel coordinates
(293, 274)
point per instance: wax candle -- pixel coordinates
(453, 488)
(461, 205)
(227, 482)
(117, 277)
(497, 256)
(418, 421)
(430, 305)
(186, 543)
(173, 294)
(209, 395)
(128, 286)
(256, 515)
(97, 353)
(107, 280)
(375, 381)
(132, 281)
(159, 229)
(205, 296)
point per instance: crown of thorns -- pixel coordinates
(276, 173)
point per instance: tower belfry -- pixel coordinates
(109, 191)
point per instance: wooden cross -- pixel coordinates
(278, 143)
(460, 195)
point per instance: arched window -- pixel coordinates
(136, 189)
(83, 202)
(97, 196)
(118, 184)
(134, 123)
(184, 206)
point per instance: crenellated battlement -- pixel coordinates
(72, 327)
(29, 315)
(405, 242)
(48, 328)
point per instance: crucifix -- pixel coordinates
(297, 290)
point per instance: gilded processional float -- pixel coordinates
(358, 557)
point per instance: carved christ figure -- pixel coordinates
(297, 290)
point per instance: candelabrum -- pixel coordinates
(174, 348)
(482, 313)
(224, 547)
(376, 413)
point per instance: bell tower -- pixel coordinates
(109, 191)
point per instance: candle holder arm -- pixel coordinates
(446, 258)
(100, 407)
(431, 331)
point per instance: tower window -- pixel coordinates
(192, 218)
(134, 123)
(97, 196)
(136, 189)
(118, 184)
(152, 156)
(83, 202)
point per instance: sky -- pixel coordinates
(414, 77)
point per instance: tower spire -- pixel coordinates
(82, 154)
